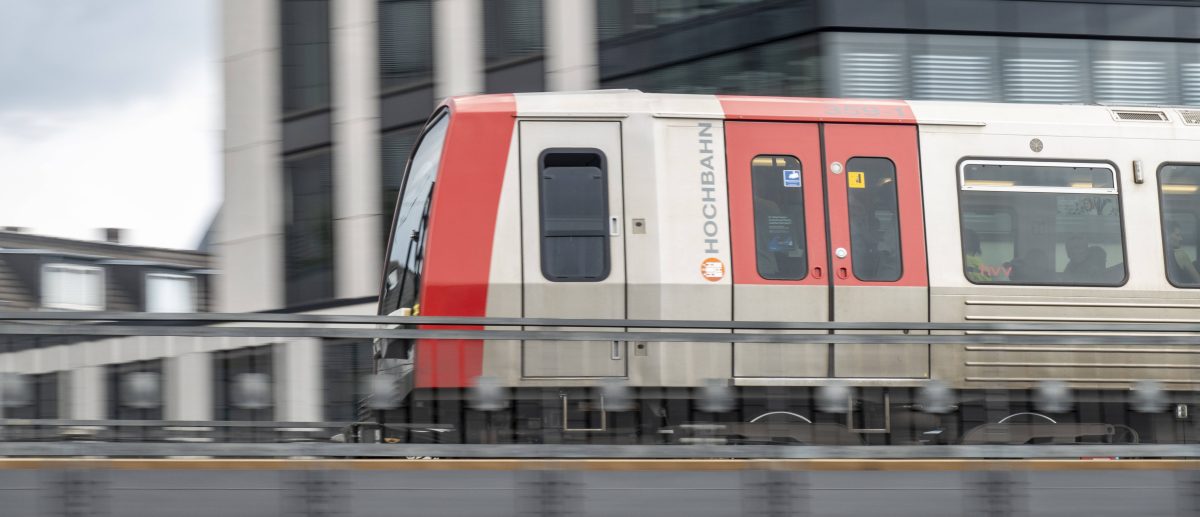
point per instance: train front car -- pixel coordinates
(735, 211)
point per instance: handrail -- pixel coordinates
(105, 317)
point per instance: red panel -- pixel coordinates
(898, 144)
(744, 141)
(816, 110)
(462, 223)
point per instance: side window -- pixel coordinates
(1041, 223)
(874, 219)
(780, 246)
(1178, 187)
(573, 207)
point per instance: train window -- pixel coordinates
(1041, 223)
(874, 219)
(779, 217)
(407, 249)
(573, 200)
(1179, 189)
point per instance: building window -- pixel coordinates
(43, 401)
(405, 41)
(619, 17)
(308, 228)
(1179, 188)
(574, 215)
(1041, 223)
(229, 369)
(305, 54)
(779, 217)
(347, 367)
(512, 29)
(135, 390)
(73, 287)
(170, 293)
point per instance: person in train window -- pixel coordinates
(1032, 268)
(973, 265)
(1181, 268)
(1085, 263)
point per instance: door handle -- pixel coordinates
(817, 272)
(616, 351)
(614, 226)
(841, 273)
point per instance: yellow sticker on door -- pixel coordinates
(857, 179)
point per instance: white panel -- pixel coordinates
(170, 293)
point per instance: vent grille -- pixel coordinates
(1141, 116)
(1190, 117)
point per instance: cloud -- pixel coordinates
(109, 117)
(62, 54)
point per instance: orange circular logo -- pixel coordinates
(712, 269)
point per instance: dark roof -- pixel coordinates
(43, 245)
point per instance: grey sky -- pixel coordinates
(109, 117)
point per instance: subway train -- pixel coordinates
(629, 205)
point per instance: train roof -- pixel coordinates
(1129, 121)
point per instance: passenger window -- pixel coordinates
(779, 217)
(574, 215)
(874, 219)
(1034, 223)
(1178, 186)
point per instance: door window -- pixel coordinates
(780, 245)
(874, 219)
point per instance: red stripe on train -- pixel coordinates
(462, 224)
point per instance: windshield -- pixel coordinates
(402, 275)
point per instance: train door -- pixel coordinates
(572, 241)
(877, 243)
(777, 215)
(841, 240)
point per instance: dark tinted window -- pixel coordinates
(574, 215)
(1041, 223)
(125, 382)
(779, 217)
(308, 228)
(395, 147)
(874, 219)
(228, 368)
(512, 29)
(347, 366)
(1179, 186)
(43, 401)
(401, 280)
(304, 54)
(405, 41)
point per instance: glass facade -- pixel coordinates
(1009, 69)
(405, 42)
(304, 32)
(512, 29)
(790, 67)
(620, 17)
(308, 228)
(126, 398)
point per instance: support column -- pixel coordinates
(88, 399)
(458, 47)
(298, 381)
(249, 239)
(571, 56)
(189, 387)
(358, 221)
